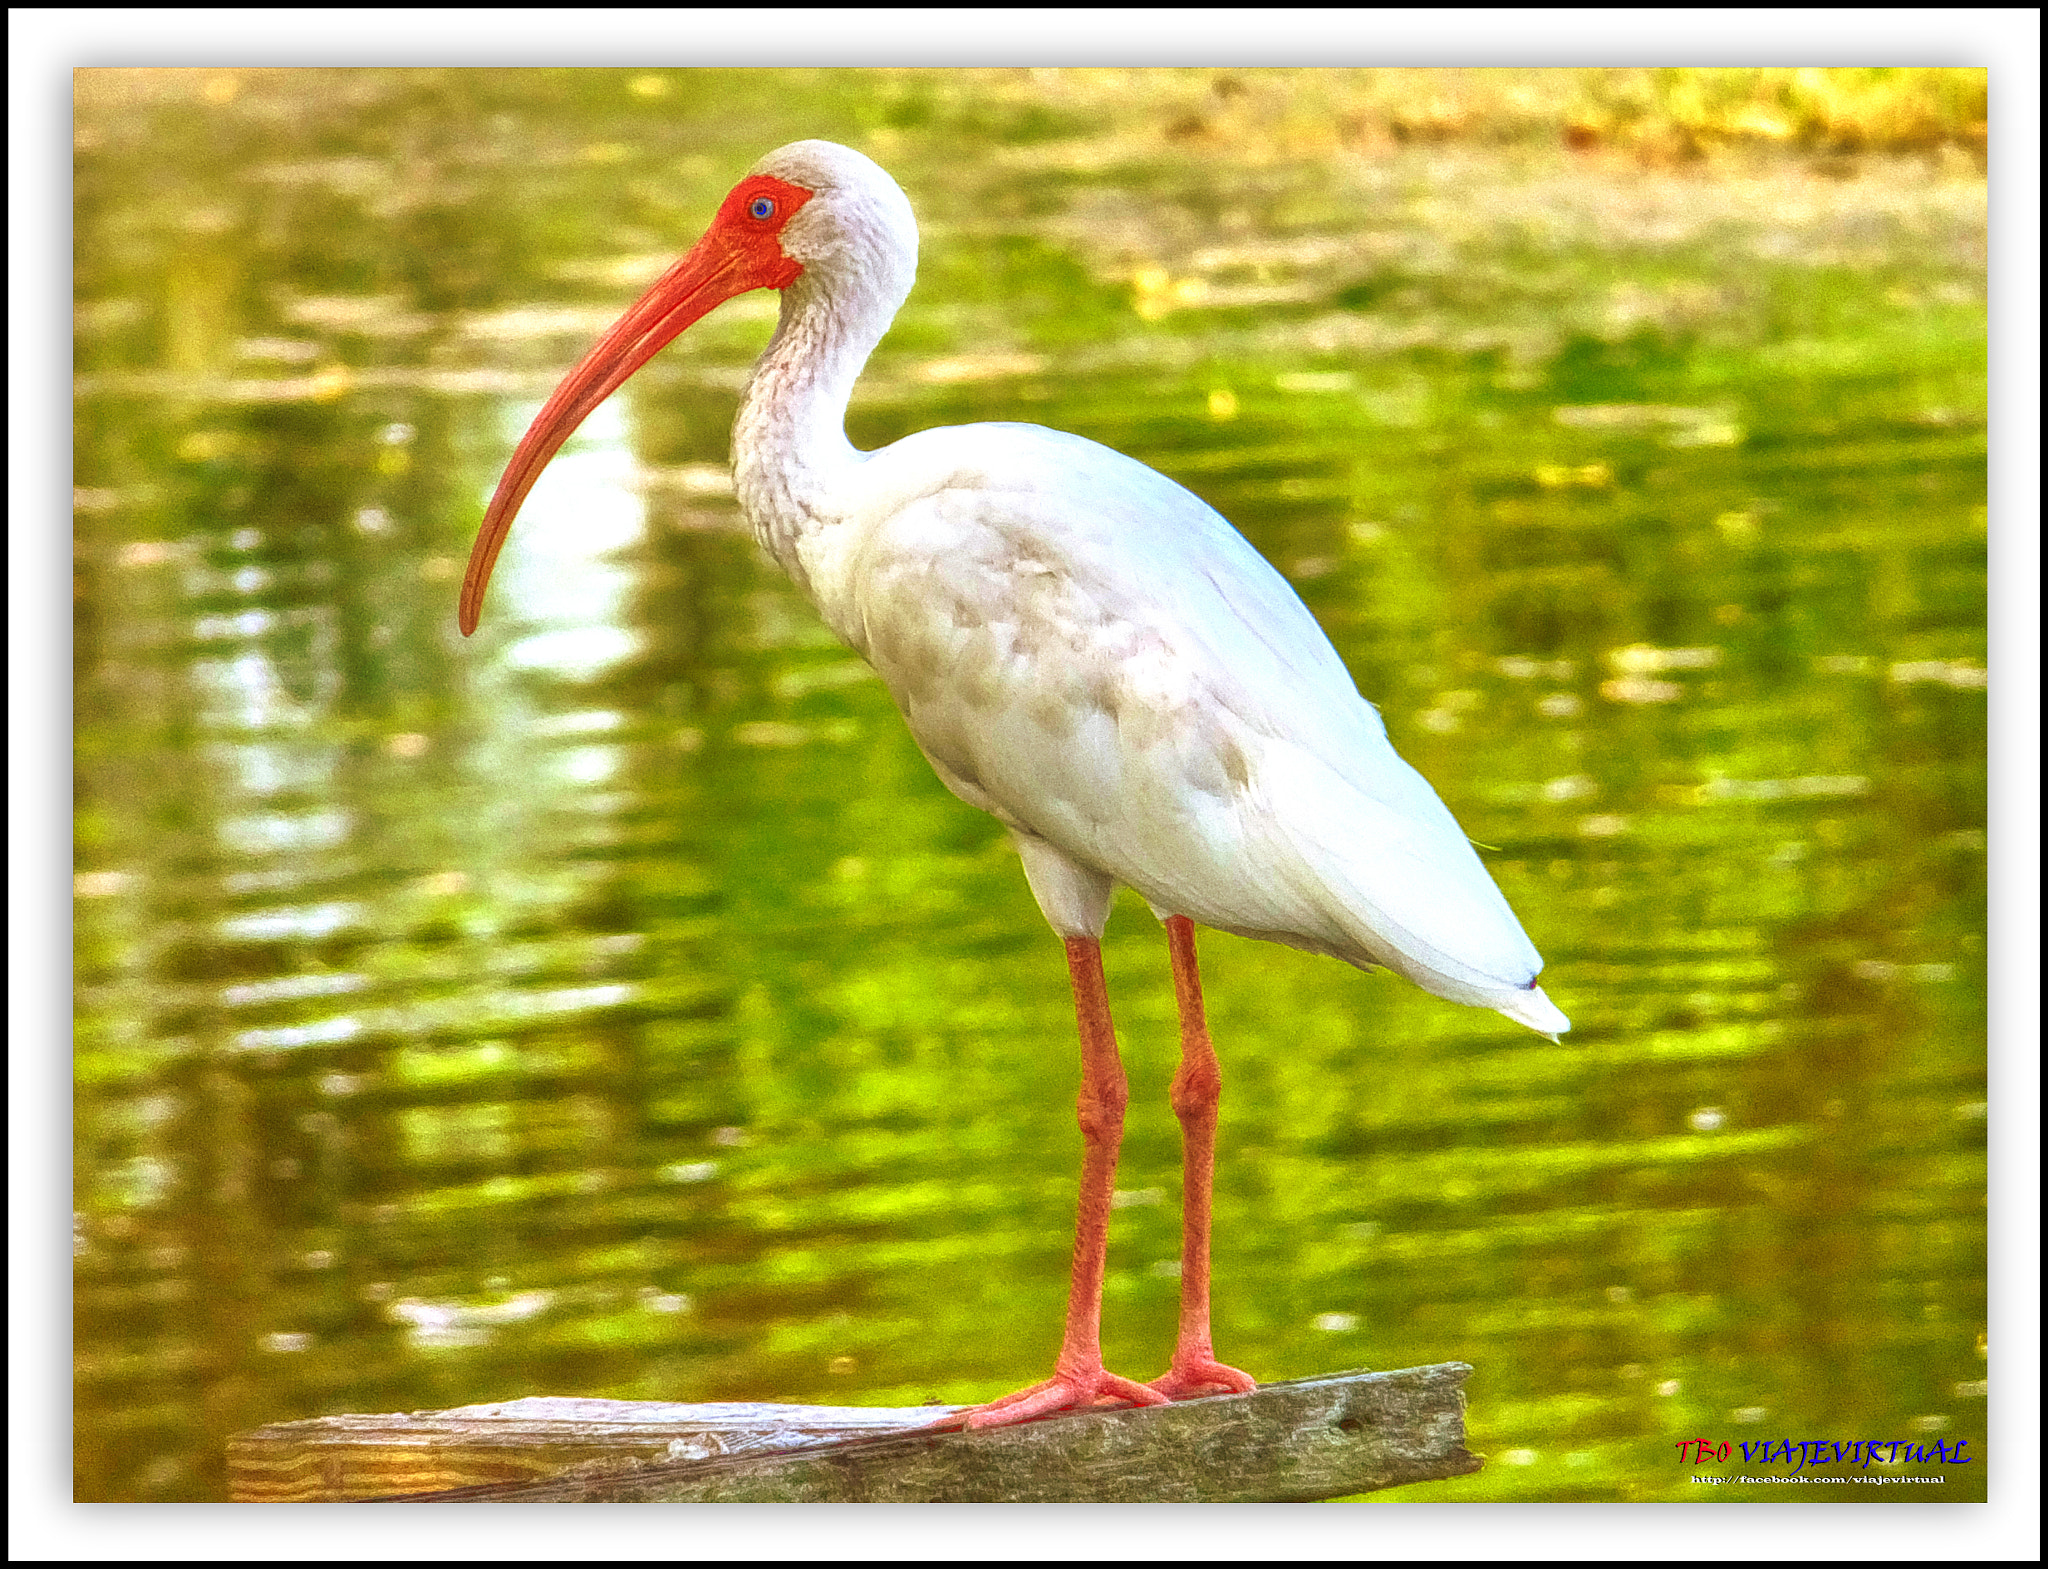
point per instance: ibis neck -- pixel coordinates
(789, 441)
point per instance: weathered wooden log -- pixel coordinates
(1312, 1438)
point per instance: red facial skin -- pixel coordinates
(740, 251)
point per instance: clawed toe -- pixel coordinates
(1062, 1392)
(1194, 1380)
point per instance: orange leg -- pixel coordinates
(1196, 1089)
(1079, 1378)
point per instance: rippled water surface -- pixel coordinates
(615, 1004)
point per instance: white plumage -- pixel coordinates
(1091, 653)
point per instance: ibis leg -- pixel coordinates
(1197, 1086)
(1079, 1378)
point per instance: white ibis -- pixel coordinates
(1088, 652)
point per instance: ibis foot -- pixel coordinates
(1061, 1392)
(1192, 1380)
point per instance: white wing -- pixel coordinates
(1089, 651)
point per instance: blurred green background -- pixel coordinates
(614, 1003)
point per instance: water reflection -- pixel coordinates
(615, 1004)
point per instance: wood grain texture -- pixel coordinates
(1313, 1438)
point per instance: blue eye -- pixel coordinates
(761, 207)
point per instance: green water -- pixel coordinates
(614, 1003)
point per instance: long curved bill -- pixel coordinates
(710, 273)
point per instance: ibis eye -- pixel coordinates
(761, 207)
